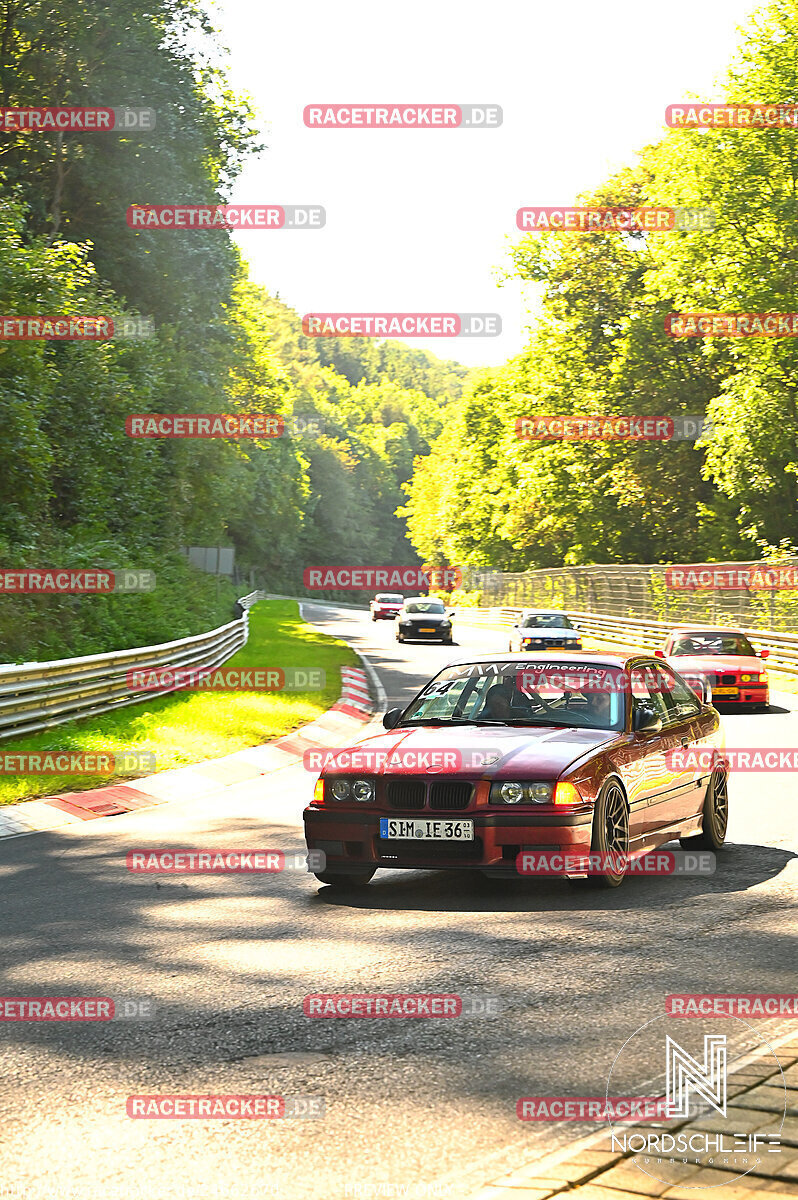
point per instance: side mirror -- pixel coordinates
(659, 653)
(646, 719)
(451, 614)
(764, 654)
(392, 718)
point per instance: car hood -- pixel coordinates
(714, 664)
(484, 750)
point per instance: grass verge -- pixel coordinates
(189, 727)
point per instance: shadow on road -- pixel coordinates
(738, 869)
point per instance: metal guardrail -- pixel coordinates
(650, 635)
(641, 591)
(35, 696)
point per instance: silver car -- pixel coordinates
(544, 629)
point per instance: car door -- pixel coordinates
(687, 736)
(662, 779)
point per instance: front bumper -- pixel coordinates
(744, 694)
(414, 634)
(542, 647)
(352, 838)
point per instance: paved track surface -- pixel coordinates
(228, 959)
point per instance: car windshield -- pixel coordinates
(546, 621)
(389, 599)
(424, 606)
(571, 694)
(712, 643)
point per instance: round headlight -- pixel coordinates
(340, 789)
(512, 793)
(362, 789)
(540, 793)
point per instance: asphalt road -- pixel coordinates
(227, 961)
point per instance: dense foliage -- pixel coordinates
(487, 498)
(75, 490)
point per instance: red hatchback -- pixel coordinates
(725, 658)
(499, 756)
(386, 606)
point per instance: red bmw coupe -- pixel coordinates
(725, 658)
(517, 753)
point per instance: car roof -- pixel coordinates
(706, 629)
(602, 660)
(543, 611)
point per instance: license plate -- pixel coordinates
(724, 691)
(435, 831)
(427, 629)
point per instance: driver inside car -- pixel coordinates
(497, 705)
(598, 709)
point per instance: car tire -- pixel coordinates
(399, 636)
(610, 831)
(346, 878)
(716, 816)
(373, 617)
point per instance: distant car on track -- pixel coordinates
(424, 619)
(724, 657)
(386, 606)
(530, 767)
(544, 629)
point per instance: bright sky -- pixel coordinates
(419, 221)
